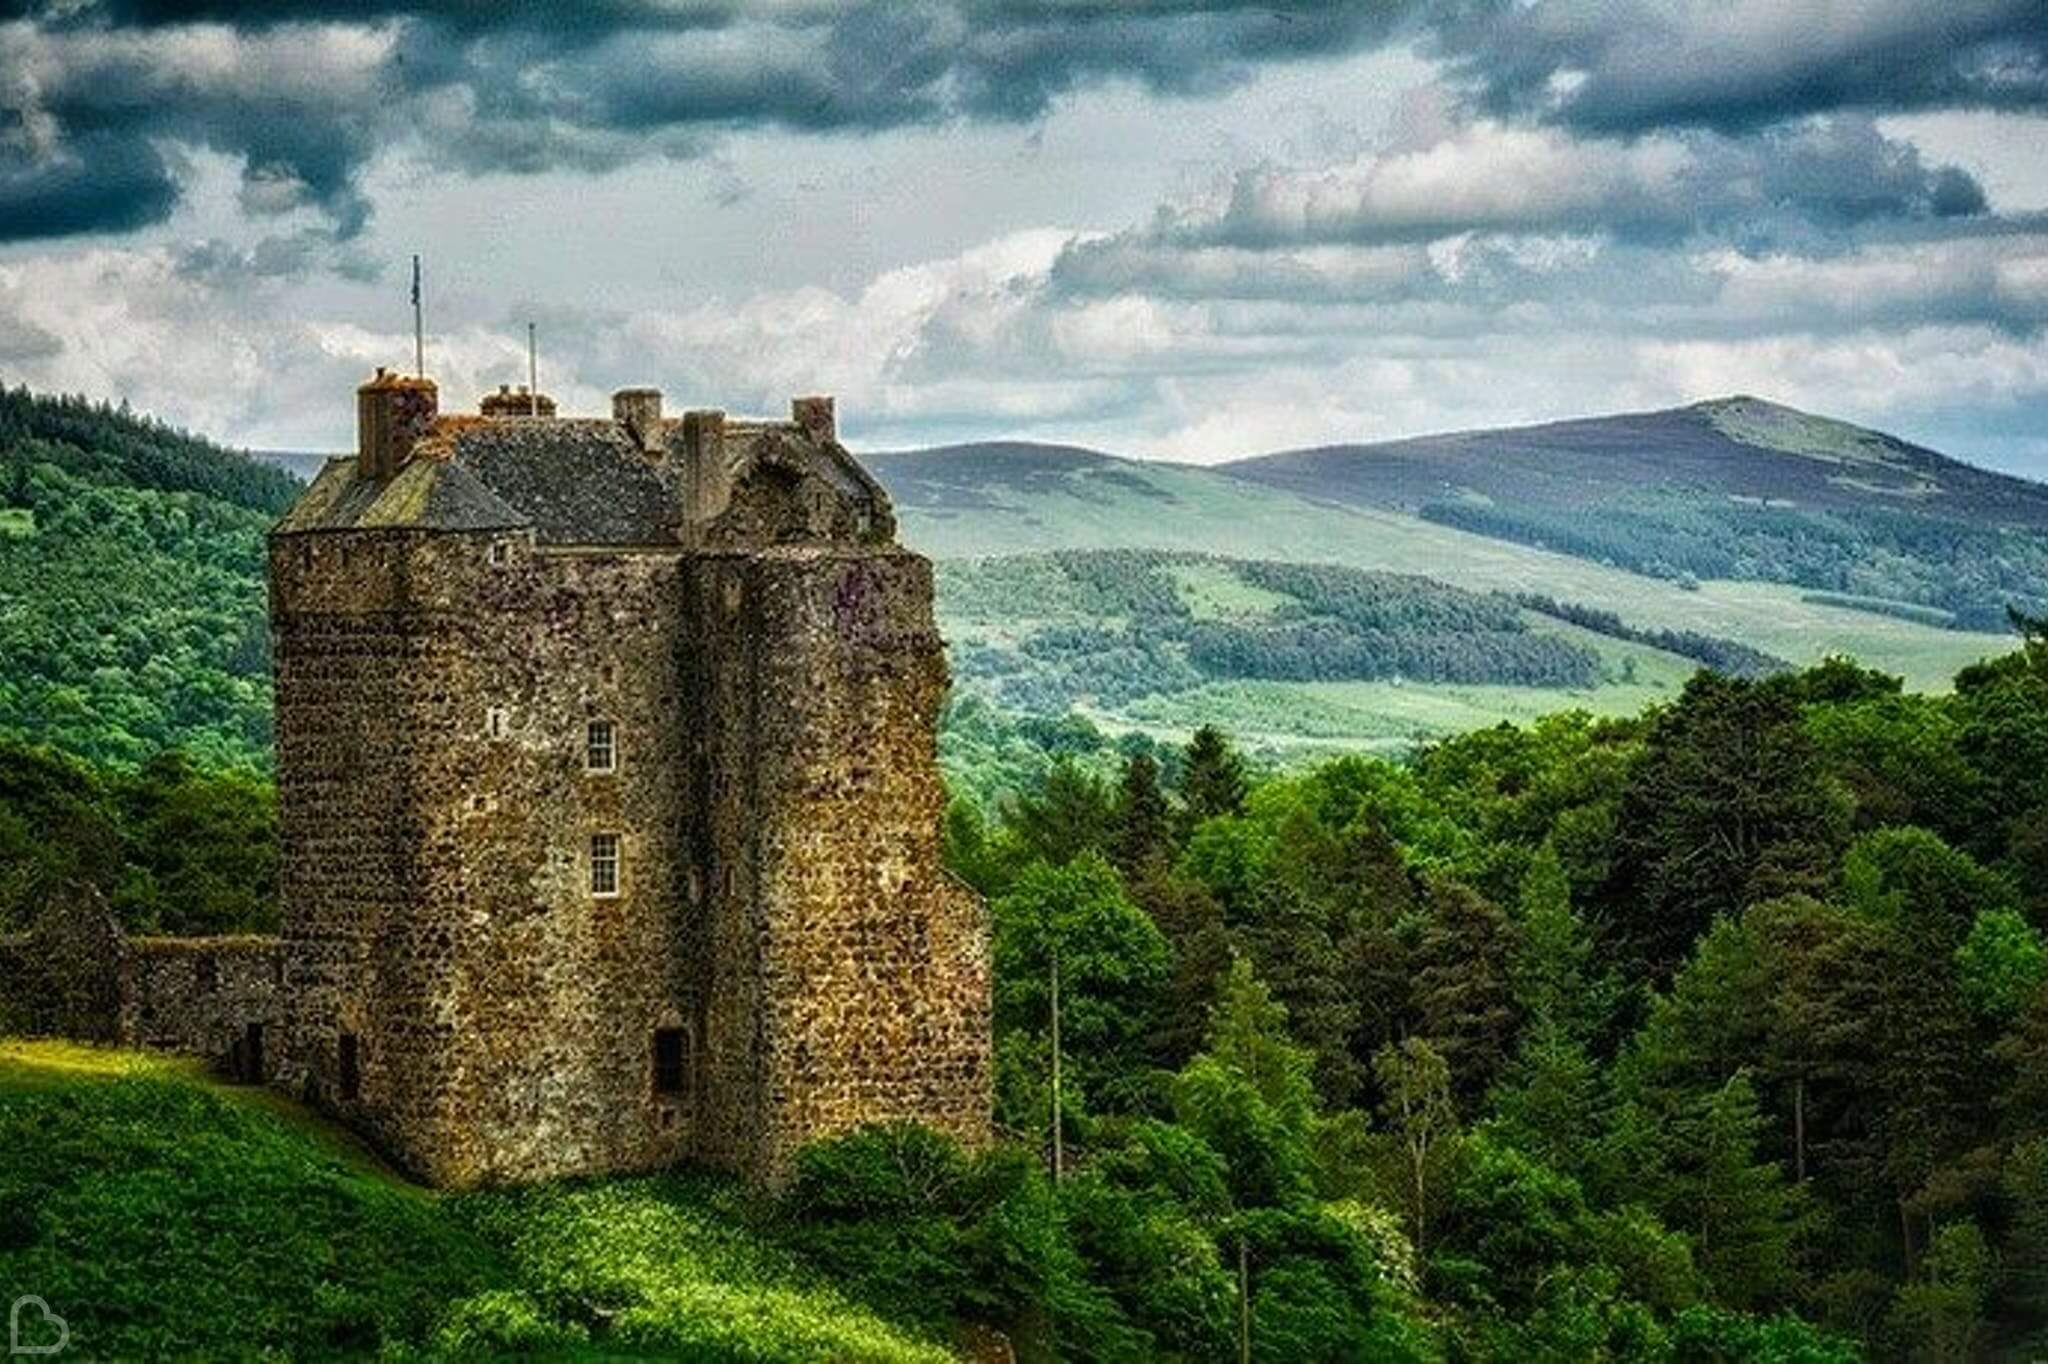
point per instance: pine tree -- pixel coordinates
(1463, 993)
(1744, 1217)
(1213, 779)
(1143, 839)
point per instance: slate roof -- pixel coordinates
(578, 480)
(426, 493)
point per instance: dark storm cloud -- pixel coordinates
(1734, 65)
(533, 85)
(306, 92)
(102, 182)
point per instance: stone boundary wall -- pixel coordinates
(76, 974)
(220, 999)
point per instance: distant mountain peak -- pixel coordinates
(1765, 425)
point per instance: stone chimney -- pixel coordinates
(707, 483)
(393, 412)
(639, 411)
(814, 417)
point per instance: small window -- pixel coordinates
(496, 722)
(501, 553)
(600, 748)
(349, 1073)
(604, 864)
(669, 1055)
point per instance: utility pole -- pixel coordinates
(1059, 1162)
(532, 375)
(1244, 1303)
(419, 330)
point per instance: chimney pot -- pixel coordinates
(814, 416)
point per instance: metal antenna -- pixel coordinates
(419, 331)
(532, 375)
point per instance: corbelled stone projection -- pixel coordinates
(609, 794)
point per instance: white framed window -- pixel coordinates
(600, 747)
(496, 721)
(604, 864)
(501, 553)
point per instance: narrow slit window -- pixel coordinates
(500, 553)
(496, 722)
(349, 1070)
(669, 1058)
(604, 864)
(600, 747)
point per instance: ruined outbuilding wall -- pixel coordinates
(838, 937)
(76, 974)
(220, 999)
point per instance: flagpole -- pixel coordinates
(419, 331)
(532, 375)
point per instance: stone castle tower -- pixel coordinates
(609, 794)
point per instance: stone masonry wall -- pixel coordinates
(434, 694)
(864, 966)
(345, 652)
(220, 999)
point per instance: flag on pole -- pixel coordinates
(415, 281)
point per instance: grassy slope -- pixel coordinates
(1387, 717)
(1078, 507)
(1215, 514)
(163, 1214)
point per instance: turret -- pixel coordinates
(393, 412)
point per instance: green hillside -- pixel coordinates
(967, 501)
(131, 585)
(1290, 655)
(163, 1215)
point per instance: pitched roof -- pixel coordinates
(427, 494)
(578, 480)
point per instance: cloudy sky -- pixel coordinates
(1162, 227)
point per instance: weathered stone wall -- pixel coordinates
(433, 703)
(859, 967)
(220, 999)
(75, 974)
(346, 652)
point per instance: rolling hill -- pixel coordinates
(1878, 581)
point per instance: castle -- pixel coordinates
(609, 802)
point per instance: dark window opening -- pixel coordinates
(351, 1076)
(668, 1060)
(249, 1056)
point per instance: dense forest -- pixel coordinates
(1717, 1033)
(1115, 625)
(1723, 655)
(1868, 557)
(131, 585)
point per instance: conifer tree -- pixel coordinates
(1144, 835)
(1212, 780)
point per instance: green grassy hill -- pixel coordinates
(1288, 656)
(164, 1215)
(967, 501)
